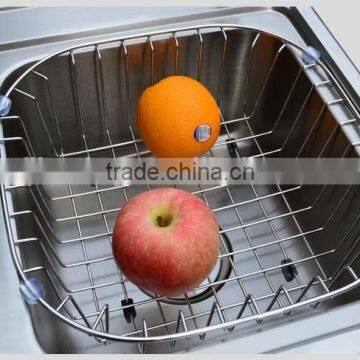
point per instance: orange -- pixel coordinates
(178, 118)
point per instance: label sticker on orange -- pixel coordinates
(202, 133)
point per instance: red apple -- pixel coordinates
(166, 241)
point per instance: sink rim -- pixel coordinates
(174, 336)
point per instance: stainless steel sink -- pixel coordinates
(286, 248)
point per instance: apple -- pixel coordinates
(166, 241)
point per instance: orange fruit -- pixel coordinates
(178, 118)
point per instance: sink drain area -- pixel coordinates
(220, 274)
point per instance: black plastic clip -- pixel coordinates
(129, 312)
(289, 271)
(233, 148)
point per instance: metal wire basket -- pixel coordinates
(275, 257)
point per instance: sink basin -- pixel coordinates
(289, 250)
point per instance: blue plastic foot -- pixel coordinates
(32, 290)
(310, 55)
(5, 105)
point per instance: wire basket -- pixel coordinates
(276, 256)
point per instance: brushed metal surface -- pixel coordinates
(58, 337)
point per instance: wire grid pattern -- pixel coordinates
(188, 320)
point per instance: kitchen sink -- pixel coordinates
(287, 252)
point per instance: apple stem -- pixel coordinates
(161, 221)
(164, 221)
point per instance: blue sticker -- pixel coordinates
(202, 133)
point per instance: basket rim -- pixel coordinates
(199, 331)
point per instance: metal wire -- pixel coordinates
(284, 298)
